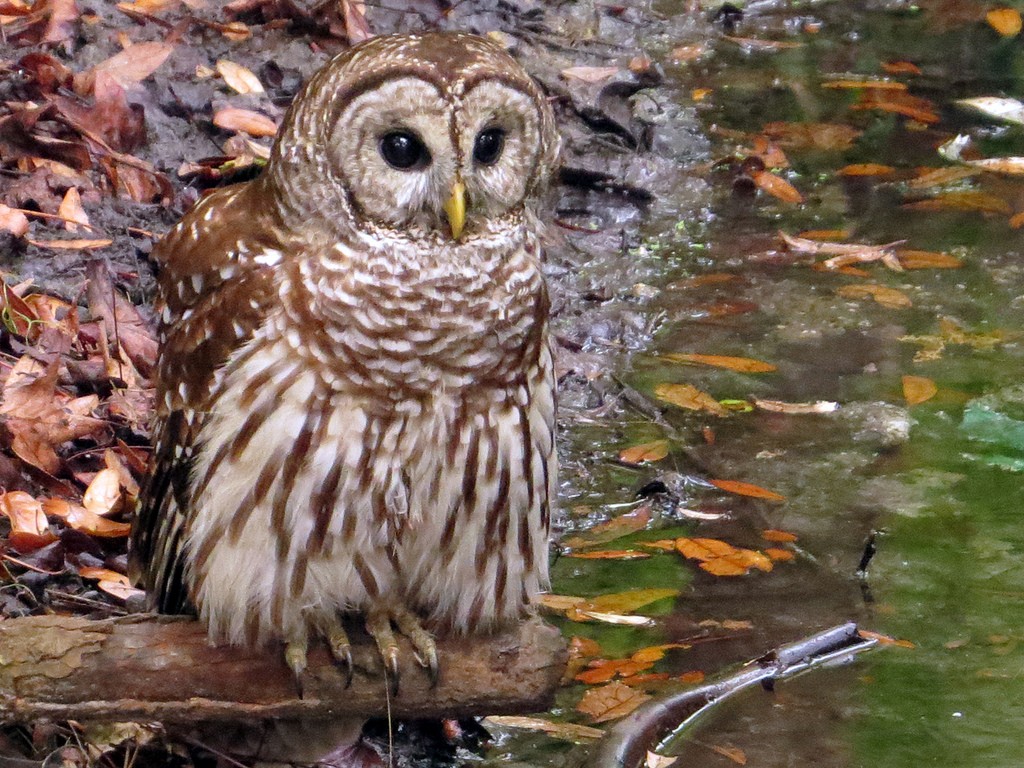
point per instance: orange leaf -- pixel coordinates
(25, 513)
(735, 754)
(239, 78)
(688, 396)
(779, 555)
(969, 200)
(71, 245)
(1017, 220)
(610, 702)
(692, 678)
(1005, 21)
(882, 294)
(884, 639)
(776, 186)
(722, 559)
(81, 519)
(865, 169)
(747, 489)
(900, 68)
(778, 536)
(103, 496)
(245, 121)
(834, 235)
(104, 574)
(612, 529)
(741, 364)
(878, 85)
(918, 389)
(72, 210)
(911, 259)
(610, 554)
(645, 452)
(655, 652)
(12, 220)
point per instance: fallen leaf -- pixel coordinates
(899, 103)
(694, 677)
(589, 74)
(583, 647)
(741, 364)
(900, 68)
(884, 639)
(747, 489)
(24, 512)
(911, 259)
(644, 453)
(568, 731)
(610, 530)
(720, 558)
(1008, 110)
(104, 574)
(72, 211)
(688, 396)
(826, 136)
(631, 600)
(776, 186)
(71, 245)
(878, 85)
(779, 555)
(103, 496)
(239, 78)
(1005, 21)
(865, 169)
(119, 589)
(654, 760)
(610, 554)
(918, 389)
(81, 519)
(655, 652)
(778, 536)
(603, 670)
(610, 702)
(735, 754)
(882, 294)
(13, 221)
(245, 121)
(1017, 220)
(937, 177)
(579, 614)
(796, 409)
(969, 200)
(132, 65)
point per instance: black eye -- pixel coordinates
(488, 145)
(403, 150)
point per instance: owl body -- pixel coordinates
(356, 397)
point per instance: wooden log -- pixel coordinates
(145, 668)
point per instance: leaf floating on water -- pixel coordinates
(968, 200)
(644, 453)
(826, 136)
(610, 554)
(654, 760)
(900, 68)
(795, 409)
(777, 536)
(882, 294)
(610, 702)
(688, 396)
(878, 85)
(1005, 21)
(776, 186)
(747, 489)
(844, 254)
(694, 677)
(580, 614)
(610, 530)
(722, 559)
(866, 169)
(631, 600)
(937, 177)
(735, 754)
(911, 259)
(741, 364)
(918, 389)
(567, 731)
(884, 639)
(1008, 110)
(779, 555)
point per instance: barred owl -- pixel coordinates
(356, 396)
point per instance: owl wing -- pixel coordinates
(214, 292)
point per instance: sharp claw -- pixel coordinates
(393, 675)
(295, 657)
(432, 665)
(344, 657)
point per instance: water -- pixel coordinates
(942, 503)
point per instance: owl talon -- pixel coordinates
(378, 624)
(422, 641)
(295, 657)
(341, 648)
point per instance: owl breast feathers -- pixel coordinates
(356, 397)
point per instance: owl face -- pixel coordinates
(435, 133)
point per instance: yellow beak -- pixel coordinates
(455, 209)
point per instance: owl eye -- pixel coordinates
(404, 150)
(488, 145)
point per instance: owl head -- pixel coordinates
(420, 135)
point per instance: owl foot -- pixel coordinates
(295, 656)
(378, 624)
(341, 648)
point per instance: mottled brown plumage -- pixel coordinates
(355, 389)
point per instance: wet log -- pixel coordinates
(145, 668)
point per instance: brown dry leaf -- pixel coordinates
(560, 602)
(778, 536)
(776, 186)
(937, 177)
(735, 754)
(779, 555)
(239, 78)
(13, 221)
(795, 409)
(610, 554)
(589, 74)
(878, 85)
(747, 489)
(245, 121)
(103, 496)
(827, 136)
(900, 68)
(882, 294)
(603, 670)
(866, 169)
(1017, 220)
(132, 65)
(741, 364)
(918, 389)
(81, 519)
(583, 647)
(610, 702)
(1005, 21)
(1010, 166)
(654, 760)
(610, 530)
(884, 639)
(722, 559)
(568, 731)
(912, 259)
(769, 153)
(357, 28)
(119, 589)
(644, 453)
(71, 245)
(970, 200)
(845, 253)
(688, 396)
(829, 235)
(72, 211)
(694, 677)
(18, 316)
(899, 103)
(25, 513)
(759, 44)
